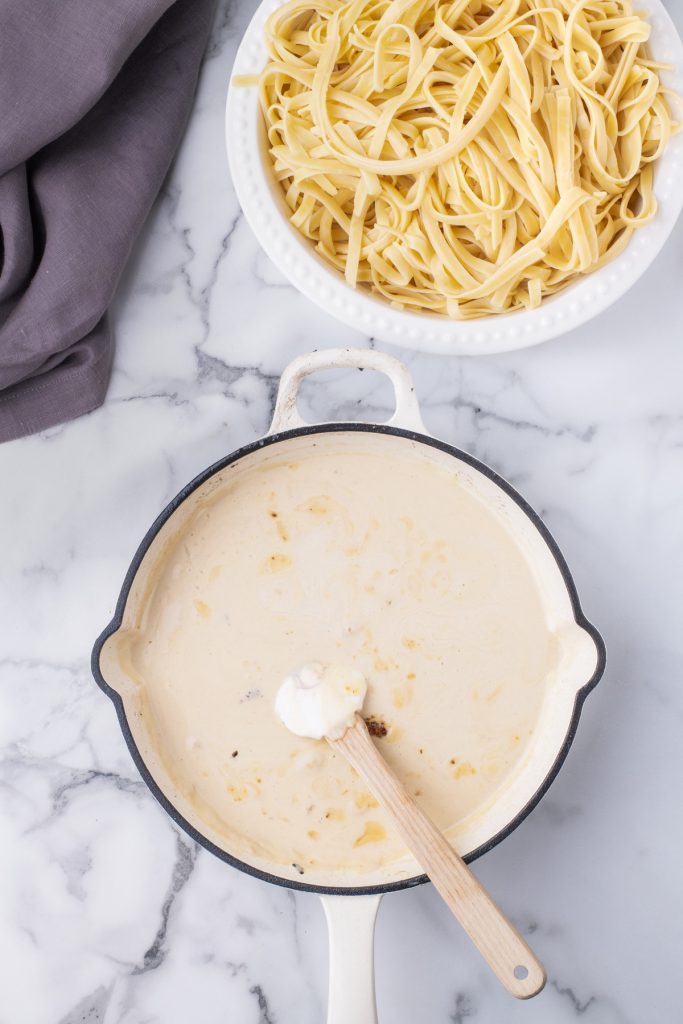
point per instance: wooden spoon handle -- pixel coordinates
(500, 944)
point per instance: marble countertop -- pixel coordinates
(109, 914)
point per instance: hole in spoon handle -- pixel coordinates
(528, 980)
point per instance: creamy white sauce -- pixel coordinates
(320, 701)
(359, 551)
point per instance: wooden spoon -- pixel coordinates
(499, 943)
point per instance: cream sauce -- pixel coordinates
(342, 554)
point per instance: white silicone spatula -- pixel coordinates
(499, 943)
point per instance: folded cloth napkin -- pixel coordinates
(94, 96)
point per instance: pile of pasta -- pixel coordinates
(467, 157)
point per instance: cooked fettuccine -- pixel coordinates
(464, 157)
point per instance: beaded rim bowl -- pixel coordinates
(264, 208)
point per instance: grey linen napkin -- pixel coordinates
(94, 96)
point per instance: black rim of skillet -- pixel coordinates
(229, 460)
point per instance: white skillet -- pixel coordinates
(351, 920)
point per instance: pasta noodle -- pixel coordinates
(468, 157)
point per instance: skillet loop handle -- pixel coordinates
(407, 412)
(351, 928)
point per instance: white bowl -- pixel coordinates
(263, 205)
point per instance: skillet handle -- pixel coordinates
(351, 929)
(406, 415)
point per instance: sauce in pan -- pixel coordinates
(359, 550)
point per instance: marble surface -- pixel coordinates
(110, 915)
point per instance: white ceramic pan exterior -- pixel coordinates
(261, 200)
(351, 921)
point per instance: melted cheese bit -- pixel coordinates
(319, 700)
